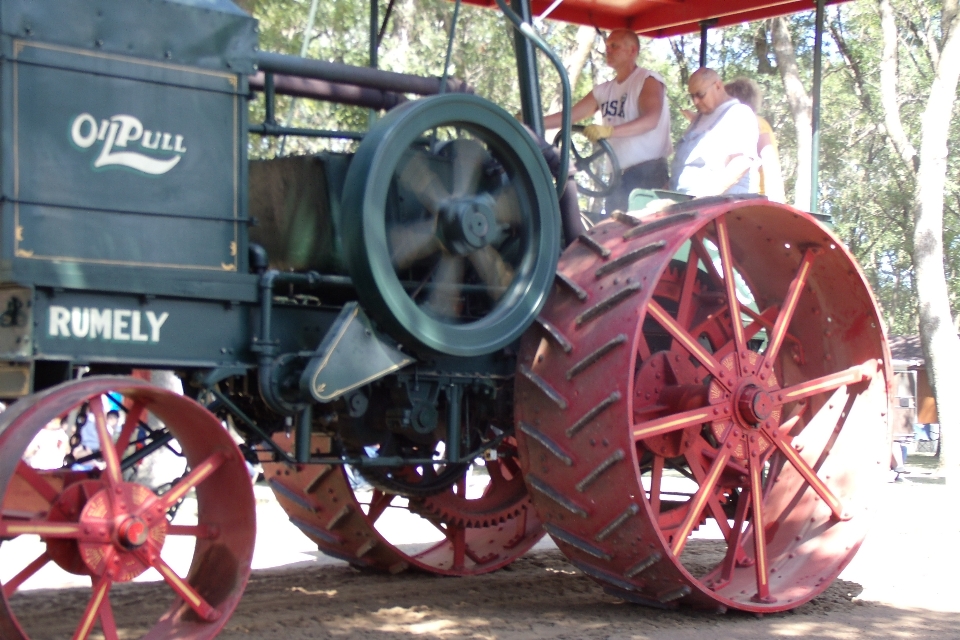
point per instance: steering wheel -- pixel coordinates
(598, 171)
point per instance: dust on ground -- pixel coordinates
(901, 584)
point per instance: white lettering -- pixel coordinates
(80, 322)
(100, 323)
(135, 329)
(120, 131)
(130, 129)
(59, 321)
(146, 143)
(155, 324)
(106, 324)
(121, 320)
(76, 131)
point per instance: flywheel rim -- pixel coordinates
(571, 415)
(386, 149)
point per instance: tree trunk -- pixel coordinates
(575, 62)
(941, 346)
(801, 108)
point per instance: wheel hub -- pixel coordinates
(133, 533)
(122, 530)
(466, 224)
(754, 404)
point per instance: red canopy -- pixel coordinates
(660, 18)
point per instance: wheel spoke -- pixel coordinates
(688, 342)
(107, 622)
(495, 471)
(108, 449)
(760, 321)
(183, 589)
(674, 422)
(200, 473)
(378, 504)
(811, 477)
(33, 478)
(685, 309)
(458, 536)
(46, 529)
(696, 244)
(411, 242)
(643, 348)
(656, 477)
(735, 540)
(701, 498)
(100, 590)
(417, 176)
(14, 583)
(444, 299)
(467, 166)
(599, 153)
(597, 179)
(729, 279)
(491, 268)
(129, 426)
(853, 375)
(759, 532)
(700, 475)
(787, 309)
(507, 206)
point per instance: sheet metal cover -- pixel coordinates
(213, 34)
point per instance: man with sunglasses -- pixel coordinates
(718, 153)
(635, 115)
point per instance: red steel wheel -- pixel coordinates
(94, 523)
(701, 406)
(483, 522)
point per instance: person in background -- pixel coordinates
(48, 447)
(718, 153)
(89, 440)
(636, 119)
(749, 93)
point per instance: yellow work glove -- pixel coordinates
(597, 131)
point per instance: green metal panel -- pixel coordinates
(138, 162)
(94, 328)
(89, 328)
(214, 34)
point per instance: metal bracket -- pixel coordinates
(351, 355)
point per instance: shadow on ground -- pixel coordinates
(539, 596)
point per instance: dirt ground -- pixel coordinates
(900, 585)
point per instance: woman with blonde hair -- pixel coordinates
(771, 178)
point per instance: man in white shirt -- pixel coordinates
(636, 119)
(718, 153)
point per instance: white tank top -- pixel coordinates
(618, 104)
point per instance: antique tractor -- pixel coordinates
(690, 402)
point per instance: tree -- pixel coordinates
(941, 346)
(801, 107)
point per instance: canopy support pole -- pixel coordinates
(374, 33)
(815, 119)
(527, 74)
(704, 40)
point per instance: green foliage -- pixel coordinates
(865, 185)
